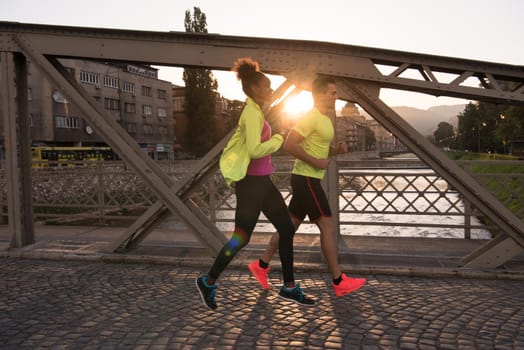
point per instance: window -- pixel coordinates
(89, 77)
(112, 104)
(162, 94)
(162, 130)
(179, 104)
(146, 91)
(131, 128)
(66, 122)
(111, 82)
(148, 129)
(147, 110)
(162, 112)
(146, 72)
(128, 87)
(130, 107)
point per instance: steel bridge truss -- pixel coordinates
(360, 73)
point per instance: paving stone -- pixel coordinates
(94, 305)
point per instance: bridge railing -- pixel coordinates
(382, 198)
(376, 198)
(403, 198)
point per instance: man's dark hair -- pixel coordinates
(320, 85)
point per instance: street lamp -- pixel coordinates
(478, 136)
(503, 117)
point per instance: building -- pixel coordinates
(363, 134)
(384, 140)
(133, 94)
(351, 128)
(226, 117)
(180, 119)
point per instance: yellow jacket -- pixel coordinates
(245, 143)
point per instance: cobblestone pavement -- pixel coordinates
(92, 305)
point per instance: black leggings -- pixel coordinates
(256, 194)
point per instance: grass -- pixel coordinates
(460, 155)
(504, 180)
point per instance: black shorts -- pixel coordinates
(308, 198)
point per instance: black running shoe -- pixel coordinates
(295, 295)
(207, 293)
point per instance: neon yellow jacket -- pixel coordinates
(245, 143)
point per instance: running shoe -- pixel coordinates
(259, 273)
(295, 295)
(348, 285)
(207, 293)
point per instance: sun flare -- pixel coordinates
(299, 104)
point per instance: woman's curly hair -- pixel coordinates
(248, 72)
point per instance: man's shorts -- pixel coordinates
(308, 198)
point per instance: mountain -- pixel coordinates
(426, 121)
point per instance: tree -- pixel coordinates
(486, 137)
(444, 135)
(234, 109)
(201, 94)
(478, 125)
(510, 126)
(466, 138)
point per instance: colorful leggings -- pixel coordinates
(256, 194)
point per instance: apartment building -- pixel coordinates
(139, 101)
(351, 128)
(363, 134)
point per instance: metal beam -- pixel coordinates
(9, 104)
(123, 144)
(434, 75)
(143, 226)
(18, 152)
(493, 254)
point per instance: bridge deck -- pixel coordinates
(377, 255)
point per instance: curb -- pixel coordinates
(241, 263)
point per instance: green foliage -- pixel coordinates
(444, 135)
(505, 182)
(486, 127)
(201, 95)
(503, 179)
(235, 108)
(460, 155)
(511, 125)
(197, 23)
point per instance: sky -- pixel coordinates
(485, 30)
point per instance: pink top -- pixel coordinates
(262, 166)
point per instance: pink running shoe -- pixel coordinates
(259, 273)
(348, 285)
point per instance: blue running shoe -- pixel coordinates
(295, 295)
(207, 292)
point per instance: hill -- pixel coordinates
(425, 121)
